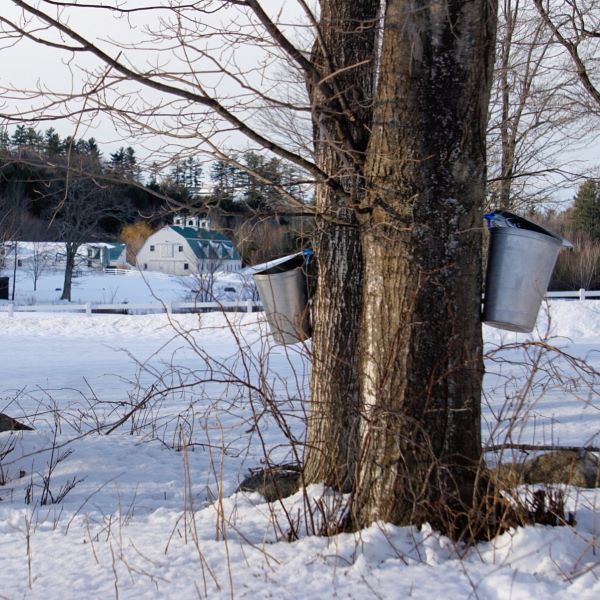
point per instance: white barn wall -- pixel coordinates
(173, 264)
(155, 261)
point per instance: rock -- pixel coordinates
(581, 469)
(275, 482)
(9, 424)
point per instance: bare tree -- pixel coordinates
(533, 112)
(11, 227)
(575, 25)
(38, 261)
(76, 213)
(201, 284)
(398, 95)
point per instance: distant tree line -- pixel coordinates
(43, 177)
(64, 189)
(580, 224)
(37, 167)
(248, 183)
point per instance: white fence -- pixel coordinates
(115, 271)
(182, 307)
(131, 309)
(578, 295)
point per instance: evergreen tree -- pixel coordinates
(19, 137)
(4, 140)
(225, 178)
(123, 163)
(260, 193)
(92, 150)
(187, 173)
(586, 209)
(35, 140)
(52, 143)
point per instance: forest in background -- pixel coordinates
(65, 189)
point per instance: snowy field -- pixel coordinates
(135, 287)
(145, 425)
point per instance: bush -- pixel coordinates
(134, 235)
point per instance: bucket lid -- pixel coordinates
(503, 218)
(285, 263)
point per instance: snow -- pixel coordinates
(153, 511)
(134, 287)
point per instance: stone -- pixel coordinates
(273, 483)
(578, 468)
(9, 424)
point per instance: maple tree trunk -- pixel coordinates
(344, 54)
(397, 367)
(421, 358)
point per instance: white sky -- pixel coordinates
(28, 65)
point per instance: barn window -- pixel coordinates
(145, 266)
(186, 266)
(180, 248)
(151, 248)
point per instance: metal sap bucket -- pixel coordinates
(283, 292)
(520, 264)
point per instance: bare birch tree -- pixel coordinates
(398, 95)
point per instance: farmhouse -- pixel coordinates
(187, 247)
(104, 255)
(94, 255)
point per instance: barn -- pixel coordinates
(187, 247)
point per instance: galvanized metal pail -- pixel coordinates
(520, 265)
(284, 296)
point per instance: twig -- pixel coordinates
(544, 447)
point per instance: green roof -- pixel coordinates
(189, 233)
(200, 242)
(115, 252)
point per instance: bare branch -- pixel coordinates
(572, 48)
(147, 80)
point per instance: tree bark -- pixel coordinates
(345, 53)
(71, 251)
(421, 353)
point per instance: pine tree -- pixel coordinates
(52, 142)
(586, 209)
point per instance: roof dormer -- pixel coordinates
(191, 221)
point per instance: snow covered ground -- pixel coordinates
(145, 425)
(135, 287)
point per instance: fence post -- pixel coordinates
(88, 308)
(249, 305)
(582, 293)
(169, 308)
(11, 309)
